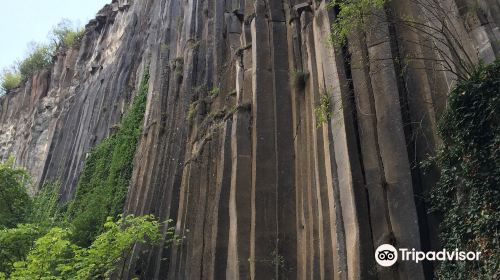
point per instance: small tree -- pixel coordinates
(351, 15)
(49, 258)
(65, 35)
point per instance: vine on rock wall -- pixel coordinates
(468, 192)
(104, 182)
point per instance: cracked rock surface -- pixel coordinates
(232, 149)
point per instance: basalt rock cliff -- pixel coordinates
(233, 148)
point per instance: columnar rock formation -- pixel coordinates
(233, 148)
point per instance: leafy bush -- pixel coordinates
(15, 202)
(49, 259)
(115, 245)
(54, 256)
(468, 192)
(10, 79)
(39, 58)
(15, 243)
(104, 182)
(73, 37)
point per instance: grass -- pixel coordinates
(193, 108)
(323, 111)
(214, 92)
(298, 78)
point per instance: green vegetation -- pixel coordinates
(15, 243)
(64, 35)
(193, 109)
(45, 208)
(40, 56)
(214, 92)
(298, 78)
(14, 201)
(179, 65)
(46, 259)
(87, 238)
(105, 178)
(41, 213)
(9, 79)
(323, 111)
(55, 256)
(351, 16)
(468, 194)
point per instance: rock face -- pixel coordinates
(233, 148)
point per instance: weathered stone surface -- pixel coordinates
(231, 148)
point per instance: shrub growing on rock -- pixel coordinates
(65, 35)
(10, 79)
(39, 58)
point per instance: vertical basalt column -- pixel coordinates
(370, 151)
(240, 212)
(264, 163)
(391, 139)
(352, 191)
(298, 93)
(343, 193)
(285, 252)
(310, 217)
(221, 215)
(484, 33)
(421, 121)
(314, 156)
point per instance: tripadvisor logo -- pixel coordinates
(387, 255)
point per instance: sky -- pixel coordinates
(25, 21)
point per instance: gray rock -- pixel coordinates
(257, 186)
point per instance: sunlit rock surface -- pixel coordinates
(232, 149)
